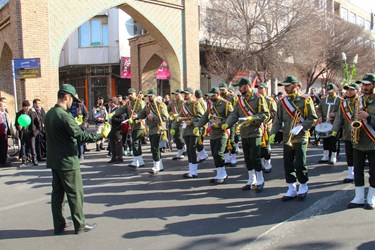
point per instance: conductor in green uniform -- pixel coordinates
(62, 133)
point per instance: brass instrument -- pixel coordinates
(356, 124)
(296, 121)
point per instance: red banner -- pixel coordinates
(249, 74)
(125, 67)
(163, 72)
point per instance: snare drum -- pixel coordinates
(323, 129)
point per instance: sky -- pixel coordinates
(365, 4)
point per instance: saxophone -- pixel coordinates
(356, 124)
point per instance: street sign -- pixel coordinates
(27, 73)
(26, 68)
(26, 63)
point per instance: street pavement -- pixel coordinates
(135, 210)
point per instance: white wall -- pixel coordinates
(120, 29)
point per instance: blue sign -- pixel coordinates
(3, 3)
(27, 63)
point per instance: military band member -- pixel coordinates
(294, 110)
(266, 147)
(157, 114)
(364, 144)
(231, 149)
(137, 126)
(251, 109)
(343, 119)
(99, 113)
(174, 108)
(218, 109)
(202, 154)
(190, 112)
(326, 112)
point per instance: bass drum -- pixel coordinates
(324, 129)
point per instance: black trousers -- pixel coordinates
(217, 148)
(359, 167)
(28, 144)
(155, 150)
(3, 148)
(191, 148)
(349, 153)
(137, 142)
(295, 163)
(330, 143)
(251, 152)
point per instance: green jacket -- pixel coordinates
(272, 107)
(324, 104)
(305, 105)
(216, 113)
(62, 133)
(341, 120)
(174, 108)
(230, 98)
(256, 104)
(133, 107)
(190, 111)
(365, 142)
(160, 115)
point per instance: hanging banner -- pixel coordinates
(163, 72)
(125, 67)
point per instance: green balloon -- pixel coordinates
(24, 120)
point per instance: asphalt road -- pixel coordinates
(134, 210)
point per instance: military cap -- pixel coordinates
(177, 91)
(352, 86)
(213, 91)
(289, 80)
(331, 87)
(68, 88)
(198, 93)
(243, 81)
(131, 91)
(262, 85)
(151, 92)
(367, 79)
(223, 85)
(187, 91)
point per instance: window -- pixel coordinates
(94, 32)
(344, 14)
(352, 18)
(361, 22)
(367, 25)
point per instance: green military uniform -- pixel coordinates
(252, 108)
(329, 104)
(190, 111)
(267, 125)
(364, 145)
(62, 133)
(156, 127)
(174, 108)
(250, 132)
(295, 146)
(137, 125)
(344, 116)
(216, 114)
(232, 139)
(202, 154)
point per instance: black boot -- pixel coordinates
(97, 147)
(102, 146)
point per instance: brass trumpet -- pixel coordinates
(296, 121)
(356, 124)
